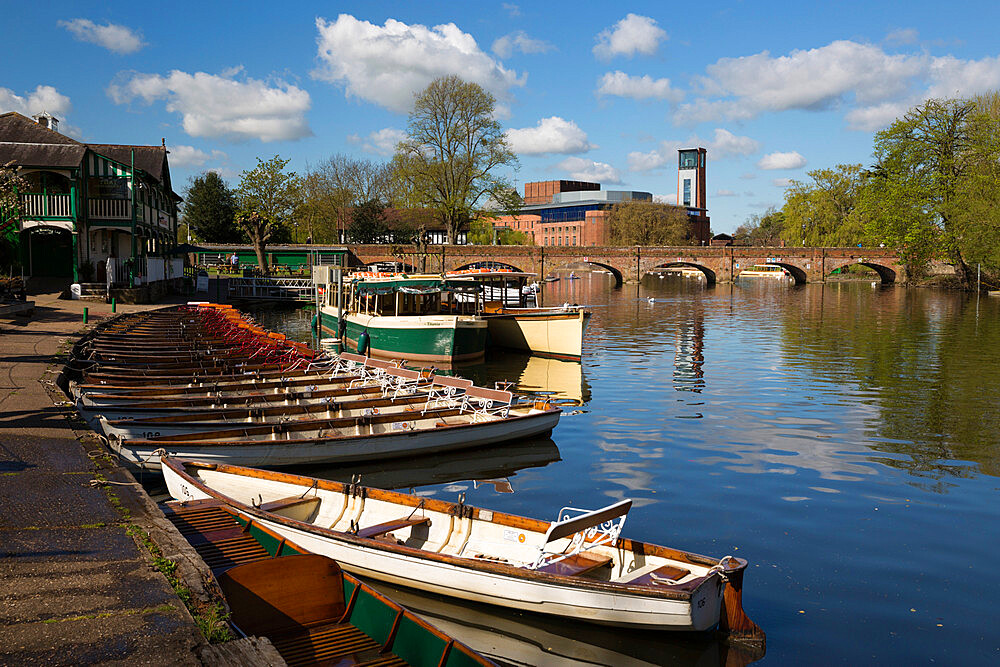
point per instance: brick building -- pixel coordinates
(574, 213)
(567, 213)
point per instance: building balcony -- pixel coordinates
(37, 205)
(109, 209)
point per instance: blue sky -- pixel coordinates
(597, 91)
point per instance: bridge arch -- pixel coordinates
(489, 264)
(616, 273)
(391, 267)
(886, 274)
(709, 274)
(798, 274)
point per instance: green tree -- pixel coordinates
(332, 189)
(823, 211)
(11, 185)
(648, 223)
(266, 198)
(912, 200)
(368, 224)
(454, 147)
(762, 230)
(210, 210)
(977, 216)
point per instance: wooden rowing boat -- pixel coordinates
(484, 416)
(312, 611)
(577, 567)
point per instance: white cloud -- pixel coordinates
(726, 193)
(387, 65)
(633, 34)
(639, 161)
(511, 8)
(871, 85)
(111, 36)
(380, 142)
(666, 199)
(638, 87)
(781, 182)
(551, 135)
(791, 160)
(222, 106)
(748, 176)
(519, 41)
(189, 156)
(581, 169)
(724, 144)
(43, 98)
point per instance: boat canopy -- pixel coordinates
(412, 286)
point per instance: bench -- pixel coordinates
(446, 390)
(577, 565)
(587, 528)
(285, 503)
(663, 575)
(402, 381)
(389, 526)
(484, 402)
(373, 369)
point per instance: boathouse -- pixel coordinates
(85, 203)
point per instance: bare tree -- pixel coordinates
(452, 152)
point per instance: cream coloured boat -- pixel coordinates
(577, 567)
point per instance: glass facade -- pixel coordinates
(687, 191)
(688, 159)
(567, 213)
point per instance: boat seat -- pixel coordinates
(389, 526)
(659, 576)
(285, 503)
(573, 566)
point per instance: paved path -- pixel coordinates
(74, 586)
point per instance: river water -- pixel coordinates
(843, 438)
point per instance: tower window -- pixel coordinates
(687, 191)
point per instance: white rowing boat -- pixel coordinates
(482, 417)
(577, 567)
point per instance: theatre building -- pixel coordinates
(574, 213)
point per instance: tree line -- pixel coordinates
(932, 191)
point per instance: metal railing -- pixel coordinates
(272, 289)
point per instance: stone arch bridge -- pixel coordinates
(631, 263)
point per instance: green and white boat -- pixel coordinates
(416, 318)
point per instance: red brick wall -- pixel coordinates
(541, 192)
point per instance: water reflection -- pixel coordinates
(768, 420)
(558, 380)
(513, 638)
(497, 463)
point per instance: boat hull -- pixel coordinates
(555, 333)
(430, 338)
(556, 596)
(284, 453)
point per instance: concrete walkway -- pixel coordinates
(75, 587)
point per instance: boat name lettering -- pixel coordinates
(150, 434)
(513, 535)
(185, 491)
(485, 515)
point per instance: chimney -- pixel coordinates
(45, 119)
